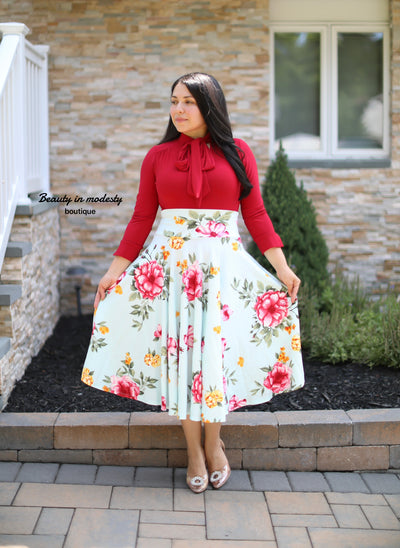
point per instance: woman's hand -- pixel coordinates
(117, 267)
(286, 275)
(292, 282)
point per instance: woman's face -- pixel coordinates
(185, 113)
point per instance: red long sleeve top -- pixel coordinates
(192, 174)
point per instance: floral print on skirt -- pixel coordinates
(195, 324)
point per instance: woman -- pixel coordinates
(193, 323)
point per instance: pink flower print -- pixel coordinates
(158, 332)
(163, 403)
(202, 344)
(197, 388)
(149, 279)
(224, 384)
(223, 344)
(226, 312)
(279, 378)
(94, 328)
(213, 230)
(192, 279)
(124, 386)
(272, 308)
(189, 337)
(235, 403)
(172, 346)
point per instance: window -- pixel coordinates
(330, 87)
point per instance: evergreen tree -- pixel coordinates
(294, 219)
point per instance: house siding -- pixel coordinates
(111, 65)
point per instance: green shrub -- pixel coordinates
(294, 219)
(344, 325)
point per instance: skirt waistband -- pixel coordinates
(198, 223)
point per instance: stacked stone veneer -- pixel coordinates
(110, 68)
(360, 439)
(30, 320)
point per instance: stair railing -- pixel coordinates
(24, 123)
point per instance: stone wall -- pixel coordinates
(111, 66)
(30, 320)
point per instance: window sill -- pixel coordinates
(341, 163)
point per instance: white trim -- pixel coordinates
(329, 11)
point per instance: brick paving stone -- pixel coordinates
(115, 475)
(308, 481)
(239, 481)
(72, 456)
(33, 541)
(223, 544)
(141, 498)
(103, 528)
(382, 483)
(77, 474)
(152, 476)
(180, 518)
(395, 456)
(297, 503)
(185, 500)
(375, 426)
(292, 537)
(36, 472)
(381, 517)
(19, 521)
(54, 521)
(245, 516)
(154, 543)
(9, 455)
(333, 538)
(303, 520)
(355, 498)
(269, 481)
(7, 493)
(63, 496)
(180, 478)
(9, 470)
(350, 516)
(155, 530)
(394, 501)
(346, 482)
(27, 430)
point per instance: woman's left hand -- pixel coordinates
(292, 282)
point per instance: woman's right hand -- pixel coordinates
(118, 266)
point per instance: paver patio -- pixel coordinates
(52, 505)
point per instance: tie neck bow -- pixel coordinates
(196, 158)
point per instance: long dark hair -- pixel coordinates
(211, 102)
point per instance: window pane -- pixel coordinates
(297, 90)
(360, 81)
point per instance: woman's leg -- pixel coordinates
(196, 459)
(217, 462)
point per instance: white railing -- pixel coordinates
(24, 123)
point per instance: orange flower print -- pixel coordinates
(217, 329)
(176, 242)
(235, 246)
(282, 356)
(128, 359)
(118, 290)
(213, 398)
(241, 361)
(214, 271)
(179, 221)
(290, 328)
(165, 253)
(156, 361)
(182, 265)
(106, 389)
(103, 329)
(296, 343)
(148, 359)
(87, 376)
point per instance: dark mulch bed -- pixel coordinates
(52, 382)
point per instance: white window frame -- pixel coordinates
(329, 150)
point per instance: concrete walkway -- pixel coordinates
(87, 506)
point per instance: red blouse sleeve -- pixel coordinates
(253, 210)
(144, 214)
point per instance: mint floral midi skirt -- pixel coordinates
(195, 324)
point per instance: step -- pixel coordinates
(18, 249)
(9, 293)
(5, 345)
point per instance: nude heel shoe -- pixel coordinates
(197, 484)
(218, 478)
